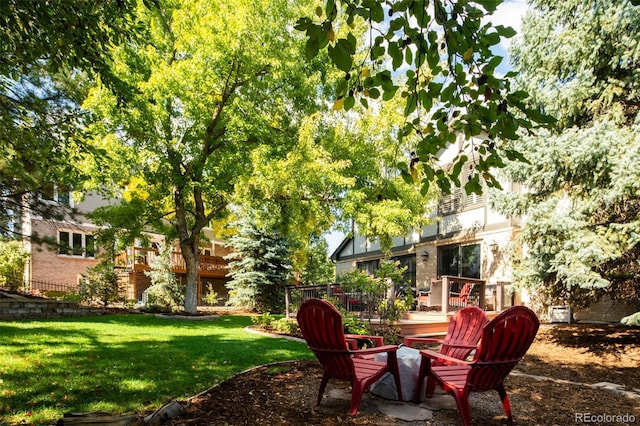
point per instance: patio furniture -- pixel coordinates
(350, 301)
(463, 335)
(461, 298)
(321, 326)
(505, 340)
(423, 299)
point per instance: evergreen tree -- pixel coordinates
(260, 268)
(48, 50)
(165, 293)
(580, 61)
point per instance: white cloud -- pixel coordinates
(509, 14)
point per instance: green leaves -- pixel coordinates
(13, 258)
(440, 12)
(445, 53)
(342, 51)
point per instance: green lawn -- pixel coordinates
(122, 363)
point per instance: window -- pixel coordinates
(90, 246)
(63, 238)
(458, 199)
(57, 193)
(76, 244)
(63, 195)
(459, 260)
(369, 267)
(409, 276)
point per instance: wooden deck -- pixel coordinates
(208, 266)
(428, 323)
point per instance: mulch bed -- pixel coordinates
(285, 394)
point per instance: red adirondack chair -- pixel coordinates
(322, 328)
(505, 340)
(462, 298)
(463, 335)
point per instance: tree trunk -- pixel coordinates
(190, 255)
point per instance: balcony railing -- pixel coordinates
(142, 259)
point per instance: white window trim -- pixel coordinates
(56, 197)
(83, 244)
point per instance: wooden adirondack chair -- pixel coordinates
(505, 340)
(463, 334)
(321, 325)
(462, 298)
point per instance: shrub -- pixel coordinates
(263, 321)
(211, 298)
(632, 320)
(385, 292)
(68, 296)
(13, 257)
(285, 326)
(100, 284)
(277, 325)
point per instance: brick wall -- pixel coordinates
(48, 265)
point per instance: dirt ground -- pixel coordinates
(285, 394)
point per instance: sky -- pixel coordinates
(508, 14)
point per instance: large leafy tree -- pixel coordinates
(342, 170)
(214, 82)
(46, 50)
(317, 268)
(437, 55)
(580, 60)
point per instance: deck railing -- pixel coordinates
(445, 295)
(142, 258)
(451, 293)
(357, 302)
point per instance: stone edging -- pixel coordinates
(281, 336)
(189, 317)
